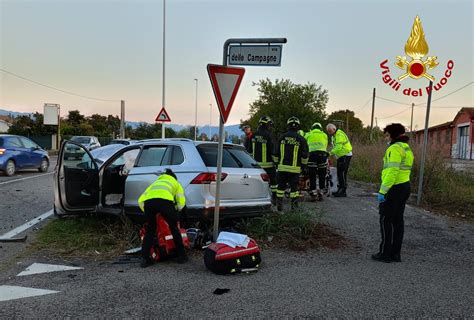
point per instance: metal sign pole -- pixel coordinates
(164, 55)
(425, 146)
(220, 148)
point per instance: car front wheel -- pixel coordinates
(44, 165)
(10, 168)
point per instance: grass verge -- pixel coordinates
(297, 230)
(95, 237)
(445, 190)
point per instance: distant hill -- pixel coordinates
(14, 114)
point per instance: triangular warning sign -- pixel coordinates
(163, 116)
(225, 83)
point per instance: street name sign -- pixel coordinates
(225, 82)
(255, 55)
(163, 116)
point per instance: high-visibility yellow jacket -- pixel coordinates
(341, 144)
(317, 140)
(397, 164)
(165, 187)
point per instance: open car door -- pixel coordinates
(76, 181)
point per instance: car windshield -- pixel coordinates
(81, 139)
(120, 142)
(233, 156)
(101, 154)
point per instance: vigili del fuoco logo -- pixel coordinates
(416, 66)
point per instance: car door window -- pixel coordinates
(28, 143)
(127, 159)
(13, 142)
(152, 156)
(177, 156)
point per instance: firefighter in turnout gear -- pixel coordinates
(318, 156)
(342, 150)
(161, 197)
(291, 154)
(394, 193)
(261, 148)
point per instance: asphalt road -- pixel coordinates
(435, 279)
(23, 197)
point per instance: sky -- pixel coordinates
(112, 50)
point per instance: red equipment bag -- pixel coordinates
(163, 245)
(223, 259)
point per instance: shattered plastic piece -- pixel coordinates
(221, 291)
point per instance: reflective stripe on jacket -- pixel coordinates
(262, 147)
(397, 165)
(291, 152)
(317, 140)
(341, 144)
(165, 187)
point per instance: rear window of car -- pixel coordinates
(81, 139)
(233, 157)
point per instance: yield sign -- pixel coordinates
(225, 82)
(163, 116)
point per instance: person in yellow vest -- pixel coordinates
(160, 198)
(394, 193)
(318, 156)
(342, 150)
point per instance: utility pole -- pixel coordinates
(425, 146)
(163, 82)
(196, 111)
(122, 119)
(411, 122)
(372, 117)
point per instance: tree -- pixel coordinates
(99, 125)
(282, 99)
(75, 117)
(31, 126)
(353, 127)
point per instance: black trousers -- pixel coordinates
(285, 178)
(272, 174)
(166, 208)
(391, 219)
(342, 168)
(317, 169)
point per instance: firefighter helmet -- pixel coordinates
(265, 120)
(293, 122)
(316, 125)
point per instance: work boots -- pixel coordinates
(279, 204)
(340, 193)
(146, 262)
(294, 203)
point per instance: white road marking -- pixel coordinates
(13, 292)
(26, 178)
(36, 268)
(29, 224)
(134, 250)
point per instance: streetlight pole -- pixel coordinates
(163, 82)
(196, 111)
